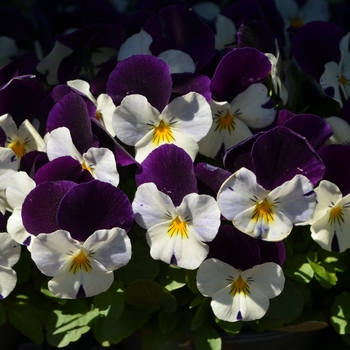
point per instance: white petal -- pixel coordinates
(152, 207)
(248, 106)
(207, 9)
(19, 185)
(295, 198)
(106, 107)
(267, 277)
(225, 32)
(341, 130)
(178, 61)
(83, 87)
(103, 165)
(238, 193)
(202, 214)
(137, 44)
(28, 134)
(330, 79)
(8, 280)
(50, 251)
(15, 227)
(8, 166)
(190, 113)
(134, 118)
(9, 250)
(60, 143)
(214, 275)
(8, 125)
(111, 248)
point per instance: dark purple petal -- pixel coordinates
(171, 169)
(187, 82)
(71, 111)
(181, 29)
(315, 44)
(280, 154)
(92, 206)
(282, 116)
(314, 128)
(272, 252)
(237, 70)
(81, 292)
(39, 209)
(141, 74)
(63, 168)
(210, 178)
(239, 155)
(336, 159)
(235, 248)
(32, 161)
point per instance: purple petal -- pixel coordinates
(237, 70)
(81, 292)
(187, 82)
(283, 115)
(40, 207)
(92, 206)
(336, 159)
(314, 128)
(210, 178)
(141, 74)
(171, 169)
(239, 155)
(63, 168)
(272, 252)
(235, 248)
(32, 161)
(315, 44)
(280, 154)
(71, 111)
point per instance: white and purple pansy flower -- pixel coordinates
(178, 223)
(80, 235)
(239, 295)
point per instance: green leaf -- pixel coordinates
(200, 315)
(69, 323)
(191, 278)
(171, 277)
(149, 296)
(28, 323)
(167, 321)
(231, 328)
(140, 266)
(207, 338)
(111, 302)
(340, 313)
(325, 278)
(299, 269)
(113, 330)
(198, 299)
(286, 305)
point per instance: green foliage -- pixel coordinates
(207, 338)
(231, 328)
(323, 271)
(340, 313)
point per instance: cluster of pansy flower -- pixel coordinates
(184, 121)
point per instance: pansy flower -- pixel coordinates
(9, 255)
(263, 214)
(177, 219)
(239, 295)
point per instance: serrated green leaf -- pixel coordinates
(111, 302)
(200, 315)
(207, 338)
(69, 324)
(140, 266)
(231, 328)
(286, 305)
(28, 323)
(113, 330)
(325, 278)
(340, 313)
(171, 277)
(299, 269)
(167, 321)
(149, 296)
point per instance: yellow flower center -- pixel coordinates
(336, 214)
(178, 227)
(239, 286)
(80, 261)
(98, 115)
(85, 166)
(296, 22)
(18, 147)
(225, 122)
(162, 134)
(343, 81)
(263, 211)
